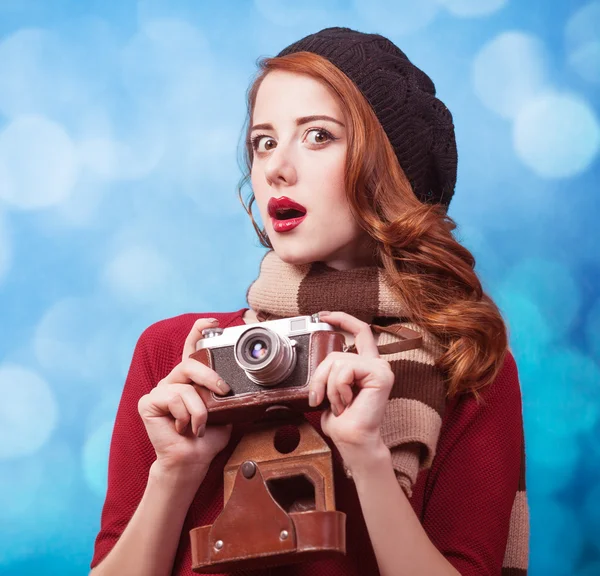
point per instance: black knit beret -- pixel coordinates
(418, 125)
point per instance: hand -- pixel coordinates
(357, 387)
(175, 416)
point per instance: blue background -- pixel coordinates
(119, 130)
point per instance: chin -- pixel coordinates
(295, 259)
(295, 255)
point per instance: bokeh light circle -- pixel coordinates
(39, 163)
(551, 286)
(139, 275)
(95, 458)
(28, 411)
(167, 64)
(509, 71)
(38, 498)
(28, 62)
(557, 135)
(528, 329)
(114, 160)
(73, 338)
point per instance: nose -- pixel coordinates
(280, 167)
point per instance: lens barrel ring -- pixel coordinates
(274, 365)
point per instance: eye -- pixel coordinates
(256, 142)
(321, 135)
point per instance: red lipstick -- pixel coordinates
(285, 213)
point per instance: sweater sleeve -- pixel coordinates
(475, 493)
(131, 452)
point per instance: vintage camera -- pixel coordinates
(266, 364)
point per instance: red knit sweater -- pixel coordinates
(463, 501)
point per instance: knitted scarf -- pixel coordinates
(413, 415)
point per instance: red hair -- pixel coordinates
(432, 273)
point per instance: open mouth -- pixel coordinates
(285, 208)
(288, 213)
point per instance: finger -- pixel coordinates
(196, 408)
(181, 402)
(343, 383)
(318, 381)
(177, 409)
(190, 370)
(195, 335)
(363, 336)
(332, 389)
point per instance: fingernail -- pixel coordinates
(343, 401)
(324, 313)
(334, 410)
(312, 398)
(212, 320)
(223, 387)
(201, 430)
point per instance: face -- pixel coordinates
(300, 162)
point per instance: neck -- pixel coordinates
(250, 317)
(359, 256)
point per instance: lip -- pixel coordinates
(286, 225)
(284, 202)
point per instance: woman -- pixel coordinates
(352, 161)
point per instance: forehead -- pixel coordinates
(282, 94)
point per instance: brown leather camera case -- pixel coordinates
(254, 530)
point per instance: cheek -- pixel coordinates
(335, 175)
(336, 184)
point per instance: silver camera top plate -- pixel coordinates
(290, 327)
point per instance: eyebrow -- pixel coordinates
(299, 122)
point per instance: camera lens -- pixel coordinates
(267, 357)
(255, 350)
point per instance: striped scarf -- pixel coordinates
(413, 416)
